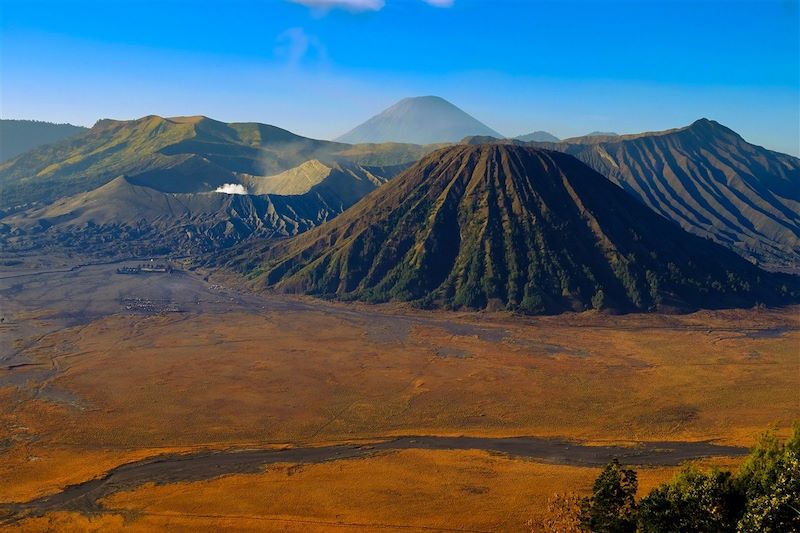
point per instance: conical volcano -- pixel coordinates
(517, 228)
(418, 120)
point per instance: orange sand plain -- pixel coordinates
(128, 387)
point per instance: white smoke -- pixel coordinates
(232, 188)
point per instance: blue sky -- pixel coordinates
(319, 67)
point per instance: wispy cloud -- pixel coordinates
(350, 5)
(295, 46)
(323, 6)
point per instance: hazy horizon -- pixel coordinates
(320, 67)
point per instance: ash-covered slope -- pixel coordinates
(504, 226)
(418, 120)
(709, 180)
(130, 213)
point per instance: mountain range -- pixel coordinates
(19, 136)
(710, 181)
(128, 214)
(510, 227)
(191, 185)
(418, 120)
(706, 178)
(161, 184)
(178, 154)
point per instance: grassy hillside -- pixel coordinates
(180, 154)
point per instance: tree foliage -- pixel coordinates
(771, 477)
(612, 506)
(697, 501)
(762, 497)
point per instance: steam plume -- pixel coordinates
(232, 188)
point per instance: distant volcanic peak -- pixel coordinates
(513, 227)
(703, 121)
(538, 136)
(432, 99)
(427, 98)
(423, 102)
(705, 126)
(708, 123)
(418, 120)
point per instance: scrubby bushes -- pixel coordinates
(762, 497)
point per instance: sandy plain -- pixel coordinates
(100, 371)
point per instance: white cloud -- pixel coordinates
(232, 188)
(323, 6)
(351, 5)
(295, 46)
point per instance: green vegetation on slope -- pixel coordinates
(509, 227)
(179, 155)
